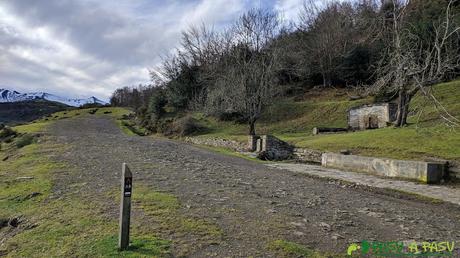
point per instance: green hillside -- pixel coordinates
(426, 136)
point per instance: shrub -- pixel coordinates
(24, 140)
(231, 115)
(184, 126)
(90, 105)
(156, 105)
(7, 132)
(93, 111)
(163, 126)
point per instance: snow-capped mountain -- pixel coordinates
(14, 96)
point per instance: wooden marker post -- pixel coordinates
(125, 207)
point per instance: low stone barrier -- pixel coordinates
(328, 130)
(454, 169)
(428, 172)
(217, 142)
(271, 148)
(307, 155)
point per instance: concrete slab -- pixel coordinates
(428, 172)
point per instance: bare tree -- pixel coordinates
(414, 62)
(328, 28)
(245, 76)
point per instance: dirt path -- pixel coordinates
(251, 203)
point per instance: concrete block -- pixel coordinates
(428, 172)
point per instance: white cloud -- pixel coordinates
(89, 47)
(289, 9)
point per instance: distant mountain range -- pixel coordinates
(9, 96)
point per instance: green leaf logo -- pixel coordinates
(352, 248)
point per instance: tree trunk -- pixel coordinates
(403, 108)
(327, 81)
(399, 112)
(408, 98)
(252, 127)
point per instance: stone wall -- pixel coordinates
(454, 169)
(272, 148)
(428, 172)
(307, 155)
(454, 173)
(217, 142)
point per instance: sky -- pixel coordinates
(82, 48)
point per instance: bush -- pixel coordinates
(93, 111)
(91, 105)
(24, 140)
(184, 126)
(231, 116)
(157, 103)
(7, 132)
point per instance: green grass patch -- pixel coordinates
(130, 128)
(126, 130)
(24, 140)
(21, 177)
(116, 112)
(34, 127)
(139, 247)
(399, 143)
(285, 248)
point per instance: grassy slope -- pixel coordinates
(293, 122)
(289, 118)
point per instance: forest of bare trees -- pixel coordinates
(391, 48)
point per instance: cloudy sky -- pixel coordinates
(81, 48)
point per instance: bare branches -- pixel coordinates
(245, 74)
(417, 60)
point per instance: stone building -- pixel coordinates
(371, 116)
